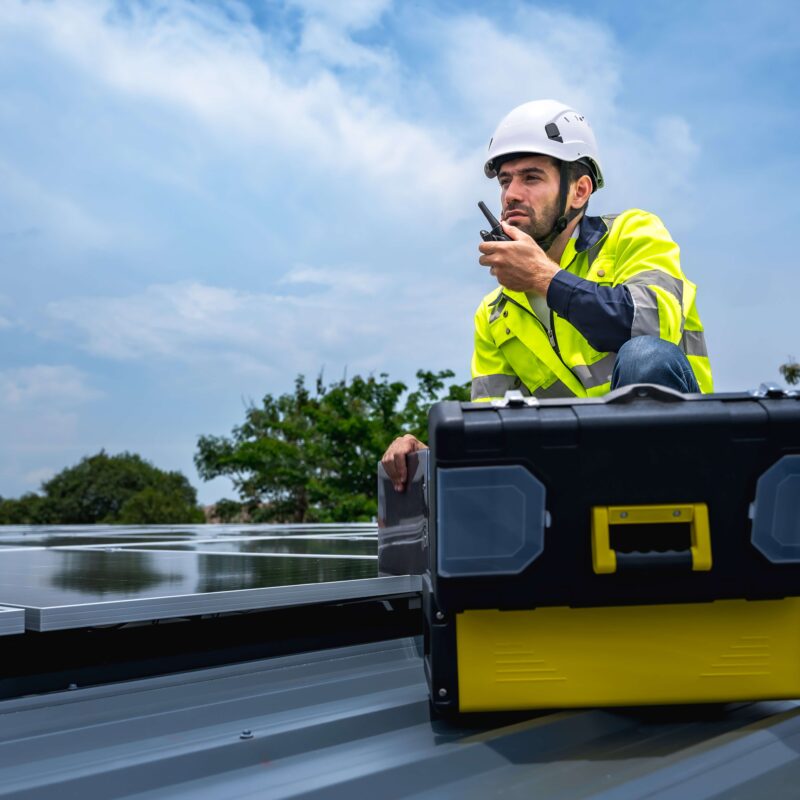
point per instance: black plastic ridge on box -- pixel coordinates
(637, 450)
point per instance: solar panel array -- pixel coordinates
(69, 577)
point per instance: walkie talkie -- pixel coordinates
(496, 233)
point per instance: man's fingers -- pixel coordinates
(400, 470)
(492, 247)
(394, 459)
(513, 232)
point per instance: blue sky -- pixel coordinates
(200, 200)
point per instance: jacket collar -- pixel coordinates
(592, 230)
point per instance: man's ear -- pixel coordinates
(580, 191)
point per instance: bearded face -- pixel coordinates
(529, 188)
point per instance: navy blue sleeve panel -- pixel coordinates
(603, 314)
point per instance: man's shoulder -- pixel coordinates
(491, 300)
(633, 220)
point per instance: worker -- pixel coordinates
(585, 304)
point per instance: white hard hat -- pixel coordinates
(549, 128)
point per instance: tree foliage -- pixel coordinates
(311, 456)
(790, 371)
(108, 489)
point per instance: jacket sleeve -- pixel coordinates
(603, 314)
(646, 298)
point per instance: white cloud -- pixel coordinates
(350, 15)
(60, 214)
(337, 321)
(647, 162)
(337, 48)
(5, 323)
(542, 54)
(53, 386)
(40, 421)
(352, 280)
(235, 81)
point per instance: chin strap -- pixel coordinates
(566, 216)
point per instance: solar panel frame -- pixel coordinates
(12, 621)
(113, 612)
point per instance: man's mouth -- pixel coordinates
(514, 213)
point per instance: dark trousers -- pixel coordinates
(648, 359)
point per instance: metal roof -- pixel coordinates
(355, 722)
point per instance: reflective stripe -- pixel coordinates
(693, 343)
(497, 297)
(657, 277)
(593, 253)
(498, 308)
(496, 386)
(596, 374)
(645, 311)
(556, 389)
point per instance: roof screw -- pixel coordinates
(246, 734)
(623, 514)
(442, 692)
(72, 687)
(439, 616)
(676, 513)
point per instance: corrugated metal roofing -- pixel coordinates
(355, 722)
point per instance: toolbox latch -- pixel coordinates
(514, 398)
(772, 390)
(636, 391)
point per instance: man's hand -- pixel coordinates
(394, 459)
(520, 265)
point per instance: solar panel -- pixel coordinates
(89, 586)
(12, 620)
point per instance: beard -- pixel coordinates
(538, 226)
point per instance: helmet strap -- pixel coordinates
(565, 215)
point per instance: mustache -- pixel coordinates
(519, 207)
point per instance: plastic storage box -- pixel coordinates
(642, 548)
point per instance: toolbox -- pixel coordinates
(640, 548)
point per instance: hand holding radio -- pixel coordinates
(514, 258)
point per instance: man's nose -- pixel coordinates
(513, 192)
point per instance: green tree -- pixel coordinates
(790, 371)
(111, 489)
(311, 456)
(153, 506)
(30, 509)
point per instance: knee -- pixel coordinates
(643, 359)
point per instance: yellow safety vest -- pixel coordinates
(513, 349)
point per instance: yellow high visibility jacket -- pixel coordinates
(514, 350)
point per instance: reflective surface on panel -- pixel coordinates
(52, 566)
(46, 578)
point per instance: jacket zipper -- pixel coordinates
(551, 334)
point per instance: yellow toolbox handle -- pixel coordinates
(604, 559)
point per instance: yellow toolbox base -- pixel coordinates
(629, 655)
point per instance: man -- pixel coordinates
(585, 304)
